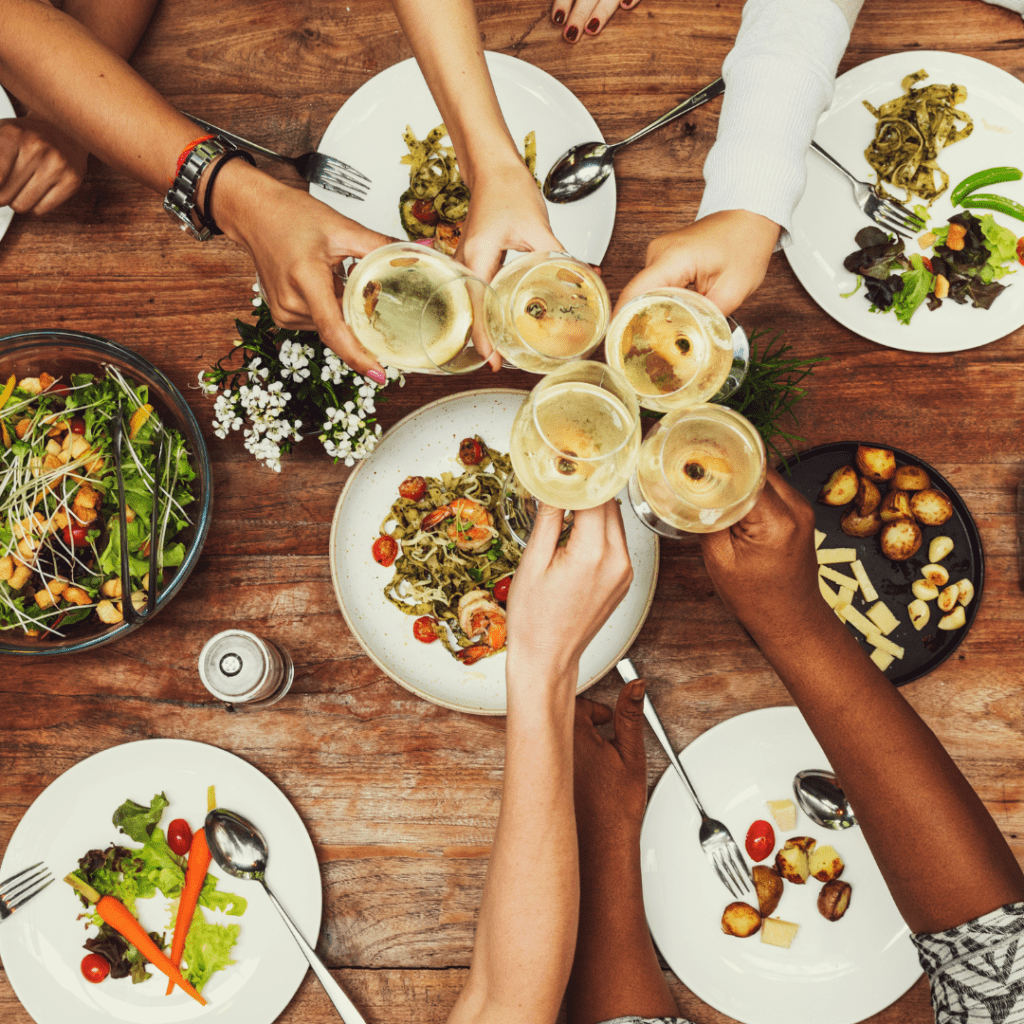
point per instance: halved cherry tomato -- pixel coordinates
(385, 551)
(95, 967)
(425, 629)
(413, 488)
(1020, 249)
(423, 210)
(760, 840)
(76, 535)
(501, 588)
(471, 451)
(927, 264)
(78, 425)
(179, 836)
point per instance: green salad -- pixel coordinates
(60, 556)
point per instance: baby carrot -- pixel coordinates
(195, 875)
(116, 914)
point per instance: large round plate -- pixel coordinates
(827, 218)
(841, 971)
(425, 443)
(6, 213)
(928, 649)
(367, 133)
(42, 945)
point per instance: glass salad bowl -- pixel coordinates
(61, 354)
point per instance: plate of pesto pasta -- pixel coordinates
(421, 559)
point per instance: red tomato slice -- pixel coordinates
(75, 535)
(413, 488)
(425, 629)
(471, 451)
(760, 840)
(77, 425)
(179, 836)
(423, 210)
(95, 968)
(501, 588)
(385, 551)
(927, 264)
(1020, 249)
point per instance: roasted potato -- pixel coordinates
(924, 590)
(966, 588)
(805, 843)
(791, 863)
(935, 575)
(834, 899)
(931, 507)
(878, 464)
(840, 488)
(910, 478)
(869, 497)
(939, 548)
(740, 919)
(954, 620)
(853, 524)
(895, 505)
(900, 540)
(825, 864)
(948, 598)
(768, 884)
(919, 614)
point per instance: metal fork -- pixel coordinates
(715, 839)
(317, 168)
(887, 212)
(17, 891)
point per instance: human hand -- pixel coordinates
(297, 243)
(586, 16)
(724, 256)
(610, 776)
(561, 596)
(40, 166)
(765, 569)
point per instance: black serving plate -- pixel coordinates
(928, 649)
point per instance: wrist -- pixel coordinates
(235, 196)
(491, 158)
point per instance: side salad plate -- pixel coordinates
(42, 946)
(827, 219)
(426, 443)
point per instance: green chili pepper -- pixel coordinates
(990, 201)
(980, 179)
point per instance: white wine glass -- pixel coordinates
(552, 310)
(420, 311)
(676, 349)
(574, 444)
(700, 470)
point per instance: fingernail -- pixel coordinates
(636, 689)
(571, 33)
(559, 17)
(593, 25)
(378, 377)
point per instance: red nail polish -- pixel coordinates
(571, 34)
(559, 17)
(593, 25)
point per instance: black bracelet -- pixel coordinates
(207, 216)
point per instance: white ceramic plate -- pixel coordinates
(367, 133)
(42, 945)
(6, 213)
(425, 443)
(827, 218)
(842, 971)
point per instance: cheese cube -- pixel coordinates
(776, 932)
(831, 597)
(838, 577)
(818, 538)
(877, 640)
(826, 556)
(881, 659)
(863, 625)
(883, 618)
(866, 588)
(784, 813)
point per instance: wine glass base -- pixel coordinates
(740, 363)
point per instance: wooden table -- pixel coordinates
(400, 796)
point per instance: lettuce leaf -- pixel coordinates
(137, 821)
(207, 949)
(917, 284)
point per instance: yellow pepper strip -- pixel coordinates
(7, 437)
(211, 799)
(138, 418)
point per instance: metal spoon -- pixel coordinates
(240, 850)
(822, 799)
(577, 173)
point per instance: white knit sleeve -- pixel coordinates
(779, 79)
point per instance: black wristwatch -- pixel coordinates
(180, 201)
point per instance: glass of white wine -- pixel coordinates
(419, 310)
(553, 310)
(675, 348)
(700, 470)
(574, 443)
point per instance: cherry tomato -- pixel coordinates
(385, 551)
(760, 840)
(78, 425)
(179, 836)
(501, 588)
(471, 451)
(60, 389)
(95, 967)
(413, 488)
(927, 264)
(423, 210)
(425, 629)
(76, 535)
(1020, 249)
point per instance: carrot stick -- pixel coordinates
(195, 875)
(116, 914)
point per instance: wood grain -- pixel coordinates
(401, 796)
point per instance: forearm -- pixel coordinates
(941, 854)
(118, 24)
(779, 78)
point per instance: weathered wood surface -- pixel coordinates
(400, 796)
